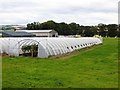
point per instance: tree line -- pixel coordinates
(110, 30)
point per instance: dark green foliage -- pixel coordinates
(112, 30)
(102, 30)
(32, 49)
(73, 28)
(118, 31)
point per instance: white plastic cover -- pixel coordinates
(46, 46)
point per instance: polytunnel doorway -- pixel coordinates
(28, 47)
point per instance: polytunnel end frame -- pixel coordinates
(41, 50)
(26, 42)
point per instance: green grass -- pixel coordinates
(96, 67)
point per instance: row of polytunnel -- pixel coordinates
(46, 46)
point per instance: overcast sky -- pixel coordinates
(83, 12)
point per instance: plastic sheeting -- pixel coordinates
(46, 46)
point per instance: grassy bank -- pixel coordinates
(96, 67)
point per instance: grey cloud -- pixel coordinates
(14, 6)
(79, 9)
(31, 10)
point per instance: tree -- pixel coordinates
(112, 30)
(118, 31)
(88, 32)
(102, 29)
(73, 28)
(64, 29)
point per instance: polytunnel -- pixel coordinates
(46, 46)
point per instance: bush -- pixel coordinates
(32, 49)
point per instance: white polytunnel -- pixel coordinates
(46, 46)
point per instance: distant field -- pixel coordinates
(95, 67)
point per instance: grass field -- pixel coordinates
(95, 67)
